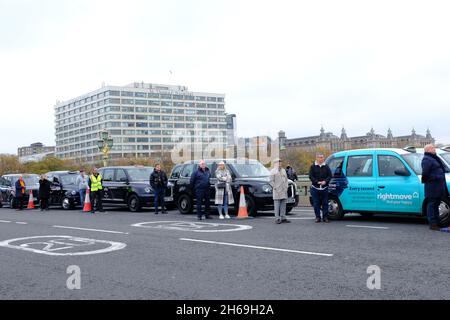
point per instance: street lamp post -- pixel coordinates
(105, 144)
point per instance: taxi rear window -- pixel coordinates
(360, 166)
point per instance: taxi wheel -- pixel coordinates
(184, 204)
(65, 204)
(134, 204)
(12, 203)
(444, 213)
(335, 211)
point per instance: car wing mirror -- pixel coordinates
(402, 173)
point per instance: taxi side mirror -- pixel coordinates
(402, 173)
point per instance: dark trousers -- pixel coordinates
(19, 202)
(320, 202)
(200, 196)
(44, 204)
(159, 198)
(96, 201)
(433, 210)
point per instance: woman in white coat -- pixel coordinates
(224, 193)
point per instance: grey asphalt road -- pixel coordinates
(174, 257)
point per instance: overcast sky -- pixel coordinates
(290, 65)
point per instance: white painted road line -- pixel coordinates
(369, 227)
(21, 222)
(258, 247)
(86, 229)
(4, 221)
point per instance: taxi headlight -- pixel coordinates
(148, 190)
(74, 193)
(267, 188)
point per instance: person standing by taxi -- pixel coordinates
(44, 193)
(82, 183)
(320, 176)
(224, 193)
(96, 187)
(280, 184)
(433, 176)
(200, 184)
(158, 182)
(19, 195)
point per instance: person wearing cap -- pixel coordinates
(280, 184)
(320, 176)
(83, 184)
(224, 193)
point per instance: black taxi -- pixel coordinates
(130, 186)
(250, 174)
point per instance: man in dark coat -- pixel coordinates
(19, 195)
(158, 182)
(320, 176)
(44, 193)
(200, 185)
(433, 176)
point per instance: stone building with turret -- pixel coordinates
(329, 141)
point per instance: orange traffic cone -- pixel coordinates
(87, 202)
(242, 214)
(31, 201)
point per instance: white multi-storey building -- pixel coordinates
(144, 120)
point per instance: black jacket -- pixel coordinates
(433, 175)
(200, 180)
(319, 173)
(44, 189)
(158, 179)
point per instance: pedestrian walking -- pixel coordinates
(96, 188)
(320, 176)
(200, 184)
(158, 182)
(44, 193)
(433, 176)
(82, 183)
(224, 193)
(19, 195)
(280, 184)
(291, 174)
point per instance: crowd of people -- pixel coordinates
(320, 175)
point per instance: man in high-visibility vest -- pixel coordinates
(96, 186)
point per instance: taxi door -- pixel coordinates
(360, 195)
(398, 188)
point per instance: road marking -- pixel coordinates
(369, 227)
(192, 226)
(258, 247)
(95, 230)
(62, 245)
(21, 222)
(4, 221)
